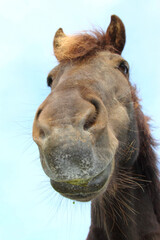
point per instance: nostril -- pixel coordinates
(91, 119)
(38, 113)
(90, 122)
(96, 104)
(41, 133)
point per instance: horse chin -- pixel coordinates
(84, 192)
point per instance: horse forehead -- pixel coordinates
(90, 69)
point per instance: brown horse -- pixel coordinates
(94, 140)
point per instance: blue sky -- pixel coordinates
(29, 208)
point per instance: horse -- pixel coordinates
(94, 141)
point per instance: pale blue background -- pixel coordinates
(29, 208)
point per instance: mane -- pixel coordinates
(83, 44)
(146, 162)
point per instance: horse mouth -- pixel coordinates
(81, 197)
(83, 192)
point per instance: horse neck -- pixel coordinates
(132, 212)
(129, 215)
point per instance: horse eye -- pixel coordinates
(49, 81)
(123, 68)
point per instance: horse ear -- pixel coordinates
(115, 34)
(59, 35)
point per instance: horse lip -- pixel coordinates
(84, 192)
(79, 182)
(82, 197)
(101, 177)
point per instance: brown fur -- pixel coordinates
(80, 45)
